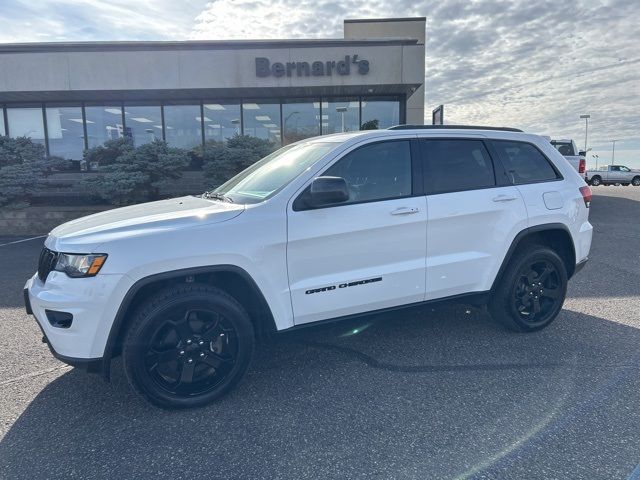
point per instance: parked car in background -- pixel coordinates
(569, 150)
(613, 174)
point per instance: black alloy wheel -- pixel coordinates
(187, 346)
(529, 294)
(537, 292)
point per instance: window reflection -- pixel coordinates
(301, 120)
(262, 120)
(221, 121)
(143, 123)
(182, 123)
(26, 122)
(342, 115)
(2, 131)
(104, 122)
(380, 113)
(65, 131)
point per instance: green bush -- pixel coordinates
(23, 167)
(221, 161)
(130, 175)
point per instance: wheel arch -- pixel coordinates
(554, 235)
(231, 278)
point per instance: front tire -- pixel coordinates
(187, 346)
(531, 292)
(635, 181)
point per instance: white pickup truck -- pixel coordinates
(612, 175)
(569, 150)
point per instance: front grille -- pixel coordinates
(46, 263)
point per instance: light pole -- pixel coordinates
(596, 156)
(586, 128)
(613, 152)
(342, 111)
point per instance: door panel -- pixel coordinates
(368, 252)
(356, 258)
(468, 234)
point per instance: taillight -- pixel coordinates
(586, 195)
(582, 166)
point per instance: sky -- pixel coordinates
(532, 64)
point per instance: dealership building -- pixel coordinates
(73, 96)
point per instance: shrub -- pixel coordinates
(130, 175)
(23, 166)
(371, 125)
(221, 161)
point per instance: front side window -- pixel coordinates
(524, 163)
(378, 171)
(624, 169)
(456, 165)
(268, 176)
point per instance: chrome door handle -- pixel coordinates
(504, 198)
(404, 211)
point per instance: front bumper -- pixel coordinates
(89, 300)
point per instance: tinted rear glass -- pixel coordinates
(455, 165)
(524, 163)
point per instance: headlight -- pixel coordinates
(77, 266)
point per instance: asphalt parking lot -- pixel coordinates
(431, 393)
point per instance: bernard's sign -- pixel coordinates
(264, 67)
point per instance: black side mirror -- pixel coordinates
(327, 191)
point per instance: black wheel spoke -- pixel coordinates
(215, 360)
(182, 328)
(545, 273)
(211, 332)
(186, 374)
(164, 356)
(536, 306)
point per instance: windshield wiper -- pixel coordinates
(217, 196)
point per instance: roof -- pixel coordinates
(196, 45)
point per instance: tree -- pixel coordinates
(131, 175)
(23, 167)
(222, 161)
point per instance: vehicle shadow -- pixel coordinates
(431, 393)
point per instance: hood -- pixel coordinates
(141, 219)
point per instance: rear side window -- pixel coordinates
(524, 163)
(456, 165)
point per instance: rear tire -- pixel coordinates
(532, 289)
(187, 346)
(595, 181)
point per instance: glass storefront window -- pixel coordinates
(65, 132)
(183, 127)
(379, 113)
(342, 115)
(104, 123)
(26, 122)
(221, 121)
(300, 119)
(262, 120)
(2, 132)
(143, 123)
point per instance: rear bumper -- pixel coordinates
(580, 265)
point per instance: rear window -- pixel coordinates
(456, 165)
(565, 148)
(524, 163)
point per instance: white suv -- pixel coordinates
(330, 227)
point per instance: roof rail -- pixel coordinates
(452, 127)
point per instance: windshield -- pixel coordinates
(267, 176)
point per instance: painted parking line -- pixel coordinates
(20, 241)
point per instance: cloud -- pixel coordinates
(533, 64)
